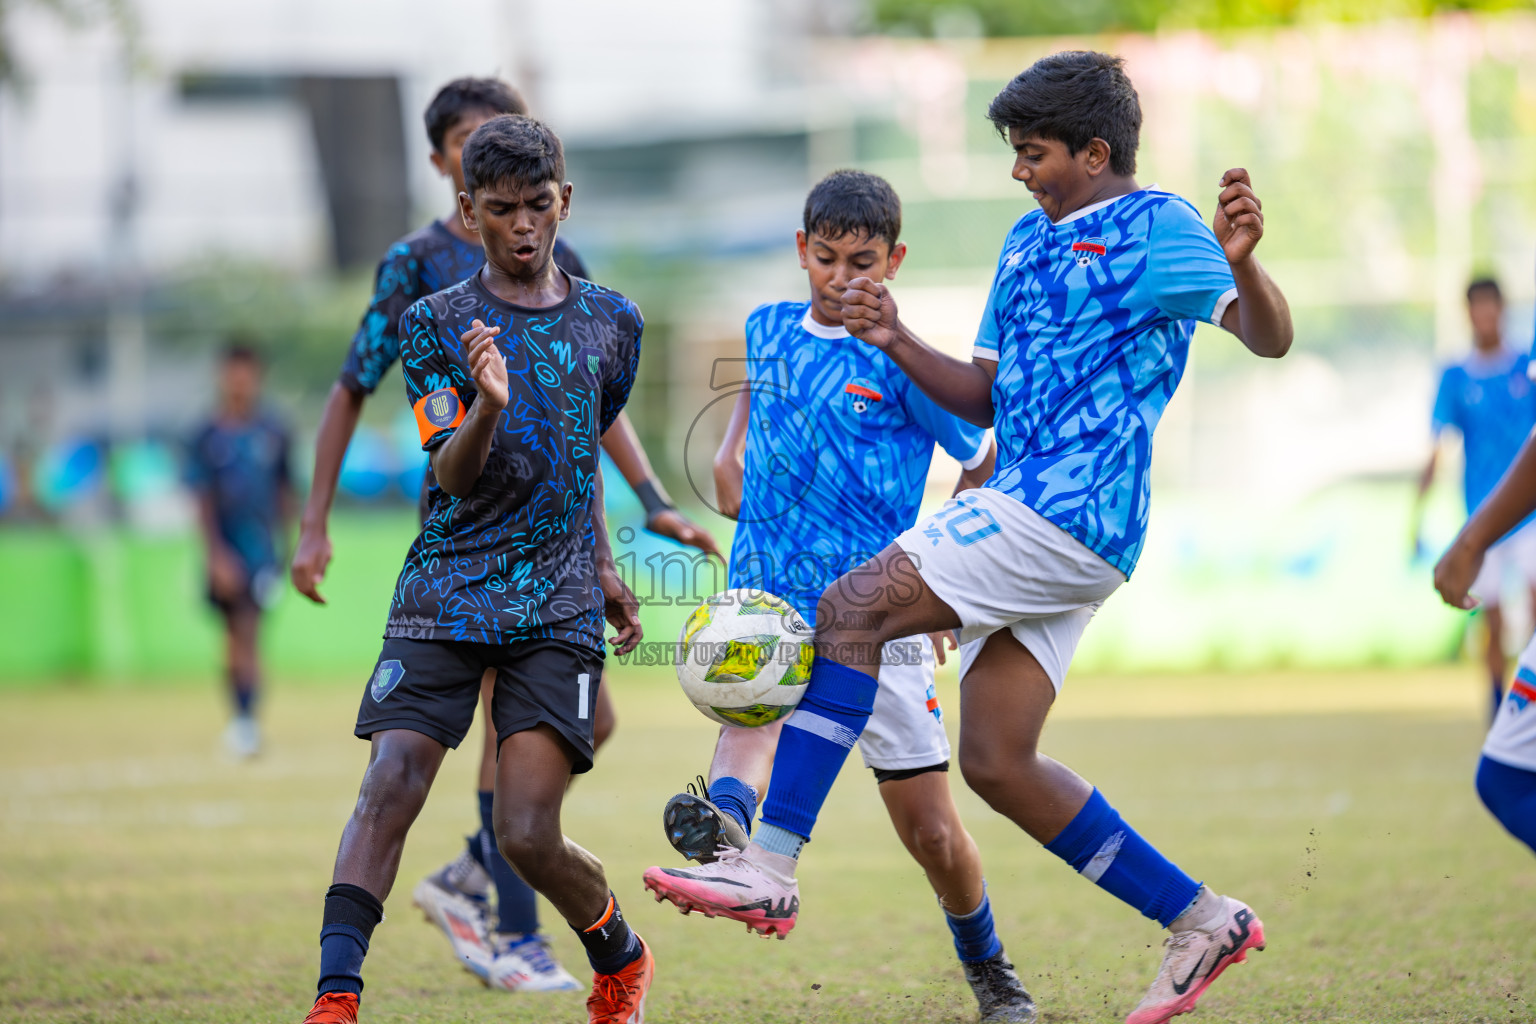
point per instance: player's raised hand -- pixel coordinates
(1455, 573)
(1239, 220)
(669, 522)
(620, 609)
(869, 312)
(487, 366)
(310, 560)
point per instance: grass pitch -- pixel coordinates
(145, 878)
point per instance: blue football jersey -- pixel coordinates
(424, 261)
(242, 466)
(839, 443)
(1089, 321)
(1491, 401)
(514, 559)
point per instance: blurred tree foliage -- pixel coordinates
(1051, 17)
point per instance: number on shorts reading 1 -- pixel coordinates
(582, 683)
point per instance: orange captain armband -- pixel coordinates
(438, 410)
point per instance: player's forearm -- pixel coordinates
(459, 461)
(964, 389)
(208, 526)
(1507, 506)
(623, 447)
(337, 423)
(1427, 477)
(1264, 316)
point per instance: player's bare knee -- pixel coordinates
(932, 842)
(395, 786)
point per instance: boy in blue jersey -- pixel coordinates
(237, 465)
(1489, 400)
(1084, 339)
(514, 375)
(506, 950)
(823, 464)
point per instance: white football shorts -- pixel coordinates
(1512, 738)
(906, 729)
(1001, 565)
(1515, 555)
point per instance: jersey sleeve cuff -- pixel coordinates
(984, 351)
(1226, 299)
(980, 454)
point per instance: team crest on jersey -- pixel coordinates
(1088, 250)
(385, 678)
(863, 393)
(1522, 692)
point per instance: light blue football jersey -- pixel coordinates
(838, 448)
(1089, 321)
(1490, 400)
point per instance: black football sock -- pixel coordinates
(351, 912)
(611, 944)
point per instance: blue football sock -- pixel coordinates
(243, 690)
(813, 746)
(351, 913)
(1510, 794)
(517, 906)
(1109, 853)
(975, 937)
(735, 798)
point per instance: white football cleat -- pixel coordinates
(733, 886)
(522, 963)
(1195, 957)
(454, 899)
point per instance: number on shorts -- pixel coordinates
(582, 684)
(967, 523)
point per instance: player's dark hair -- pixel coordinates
(466, 95)
(513, 149)
(1485, 284)
(854, 202)
(1074, 97)
(240, 347)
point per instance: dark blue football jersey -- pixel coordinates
(243, 468)
(514, 559)
(424, 261)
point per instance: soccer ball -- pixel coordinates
(744, 658)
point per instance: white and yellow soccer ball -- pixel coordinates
(744, 658)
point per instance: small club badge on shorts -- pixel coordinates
(385, 678)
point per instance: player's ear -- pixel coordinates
(898, 253)
(439, 163)
(1095, 156)
(565, 200)
(467, 211)
(800, 248)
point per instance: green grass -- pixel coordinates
(144, 878)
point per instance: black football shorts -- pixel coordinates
(432, 687)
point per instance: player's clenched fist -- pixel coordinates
(869, 312)
(1239, 220)
(487, 366)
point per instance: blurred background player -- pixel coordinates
(517, 581)
(1489, 399)
(1082, 343)
(813, 503)
(1506, 774)
(237, 465)
(511, 955)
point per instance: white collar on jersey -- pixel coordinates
(1096, 207)
(821, 330)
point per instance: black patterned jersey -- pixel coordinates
(514, 559)
(424, 261)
